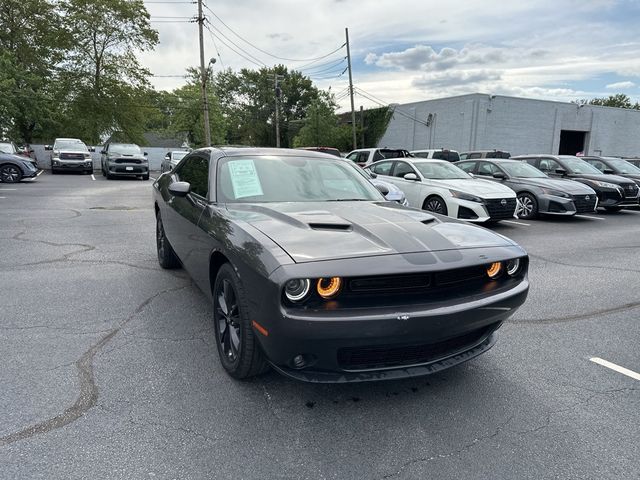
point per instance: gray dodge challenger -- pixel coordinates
(313, 273)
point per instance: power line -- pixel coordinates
(264, 51)
(364, 94)
(233, 49)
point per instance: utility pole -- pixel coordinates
(353, 111)
(361, 127)
(278, 92)
(204, 73)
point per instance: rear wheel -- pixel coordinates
(436, 205)
(10, 173)
(528, 206)
(167, 257)
(238, 347)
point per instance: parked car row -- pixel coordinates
(489, 186)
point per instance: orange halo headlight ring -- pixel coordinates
(494, 270)
(328, 287)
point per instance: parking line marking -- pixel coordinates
(517, 223)
(39, 173)
(152, 179)
(617, 368)
(93, 177)
(3, 197)
(7, 189)
(588, 216)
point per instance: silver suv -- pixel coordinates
(70, 154)
(124, 159)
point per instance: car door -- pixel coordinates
(412, 188)
(183, 213)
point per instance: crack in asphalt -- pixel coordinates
(576, 265)
(88, 395)
(576, 317)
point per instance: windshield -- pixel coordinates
(446, 155)
(291, 179)
(70, 145)
(522, 170)
(386, 153)
(577, 165)
(440, 171)
(125, 149)
(622, 166)
(7, 148)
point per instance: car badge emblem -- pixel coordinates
(587, 197)
(503, 202)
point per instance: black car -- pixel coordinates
(14, 168)
(536, 191)
(614, 192)
(311, 271)
(633, 161)
(615, 166)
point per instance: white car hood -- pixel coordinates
(479, 187)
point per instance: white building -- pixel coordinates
(517, 125)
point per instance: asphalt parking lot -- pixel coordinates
(109, 368)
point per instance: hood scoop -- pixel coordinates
(336, 227)
(323, 220)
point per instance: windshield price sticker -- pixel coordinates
(244, 179)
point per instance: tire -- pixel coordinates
(238, 347)
(613, 209)
(109, 176)
(103, 172)
(529, 206)
(145, 177)
(10, 173)
(167, 257)
(435, 204)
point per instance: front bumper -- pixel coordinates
(608, 197)
(554, 205)
(376, 343)
(72, 165)
(490, 210)
(132, 170)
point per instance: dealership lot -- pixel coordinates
(110, 368)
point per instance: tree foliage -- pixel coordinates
(322, 126)
(618, 100)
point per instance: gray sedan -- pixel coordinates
(537, 192)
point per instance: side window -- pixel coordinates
(467, 166)
(421, 154)
(464, 156)
(195, 170)
(548, 165)
(441, 155)
(382, 168)
(474, 155)
(487, 169)
(378, 156)
(353, 156)
(401, 169)
(598, 164)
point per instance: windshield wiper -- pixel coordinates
(348, 200)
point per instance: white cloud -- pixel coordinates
(620, 85)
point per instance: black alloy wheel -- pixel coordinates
(528, 206)
(238, 347)
(435, 205)
(10, 174)
(167, 257)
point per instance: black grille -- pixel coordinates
(72, 156)
(133, 170)
(128, 160)
(610, 195)
(584, 203)
(390, 283)
(385, 356)
(498, 210)
(630, 190)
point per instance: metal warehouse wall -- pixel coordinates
(518, 125)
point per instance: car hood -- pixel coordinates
(603, 178)
(16, 158)
(479, 187)
(568, 186)
(311, 232)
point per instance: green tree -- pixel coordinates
(619, 100)
(105, 80)
(321, 126)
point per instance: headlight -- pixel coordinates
(494, 270)
(328, 287)
(465, 196)
(604, 184)
(87, 155)
(513, 267)
(556, 193)
(297, 289)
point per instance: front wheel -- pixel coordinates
(528, 206)
(238, 347)
(435, 205)
(10, 174)
(145, 177)
(167, 257)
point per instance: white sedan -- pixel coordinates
(440, 187)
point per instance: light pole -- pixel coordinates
(205, 103)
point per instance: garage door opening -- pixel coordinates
(571, 142)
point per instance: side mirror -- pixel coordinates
(373, 175)
(471, 175)
(48, 147)
(608, 171)
(561, 171)
(92, 149)
(103, 151)
(167, 157)
(382, 189)
(146, 153)
(499, 175)
(180, 189)
(411, 176)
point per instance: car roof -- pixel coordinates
(267, 151)
(70, 139)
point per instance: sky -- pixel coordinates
(411, 50)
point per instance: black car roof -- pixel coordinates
(238, 151)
